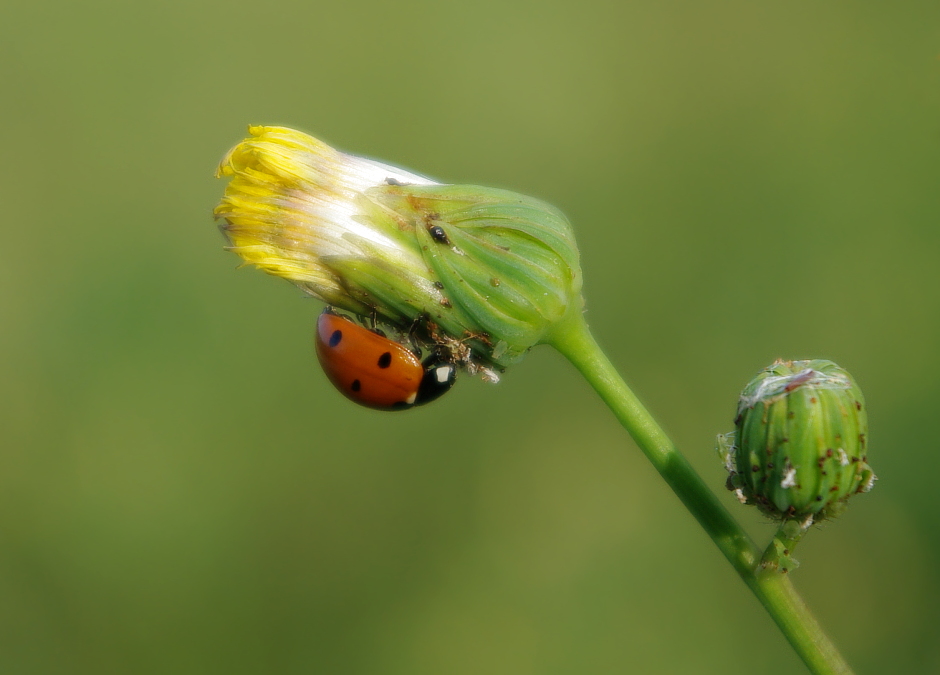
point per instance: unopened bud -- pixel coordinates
(800, 439)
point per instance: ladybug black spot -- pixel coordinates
(335, 338)
(385, 360)
(356, 385)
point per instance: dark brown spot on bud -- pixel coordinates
(799, 380)
(356, 385)
(336, 338)
(385, 360)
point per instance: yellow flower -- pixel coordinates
(295, 204)
(483, 272)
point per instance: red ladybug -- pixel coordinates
(377, 372)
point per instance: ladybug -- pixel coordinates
(376, 372)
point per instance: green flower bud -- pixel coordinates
(487, 273)
(506, 263)
(799, 446)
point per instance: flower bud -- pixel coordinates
(507, 263)
(485, 272)
(799, 445)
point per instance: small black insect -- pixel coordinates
(437, 234)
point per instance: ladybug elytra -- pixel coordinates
(376, 372)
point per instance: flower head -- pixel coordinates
(485, 271)
(799, 448)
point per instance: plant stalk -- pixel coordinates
(773, 589)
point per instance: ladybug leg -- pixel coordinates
(413, 335)
(372, 322)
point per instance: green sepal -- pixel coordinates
(508, 263)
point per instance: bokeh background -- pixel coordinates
(182, 491)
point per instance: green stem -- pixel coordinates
(779, 553)
(574, 340)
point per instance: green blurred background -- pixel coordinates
(182, 491)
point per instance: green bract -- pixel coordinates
(506, 264)
(799, 446)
